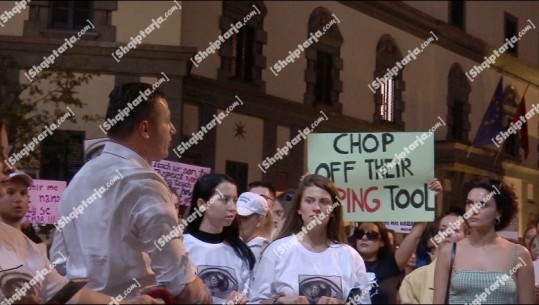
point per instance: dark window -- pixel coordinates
(324, 63)
(62, 155)
(458, 105)
(242, 54)
(70, 15)
(190, 158)
(456, 14)
(458, 120)
(238, 171)
(511, 29)
(389, 105)
(387, 89)
(281, 179)
(511, 144)
(322, 87)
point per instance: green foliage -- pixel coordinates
(23, 106)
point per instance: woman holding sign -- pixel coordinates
(309, 263)
(385, 264)
(484, 267)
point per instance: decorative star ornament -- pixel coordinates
(240, 130)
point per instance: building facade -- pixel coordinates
(288, 61)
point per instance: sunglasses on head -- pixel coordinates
(371, 235)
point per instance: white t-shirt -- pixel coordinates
(36, 276)
(124, 209)
(288, 268)
(256, 245)
(219, 267)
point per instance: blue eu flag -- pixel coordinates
(492, 123)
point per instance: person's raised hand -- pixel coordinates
(435, 185)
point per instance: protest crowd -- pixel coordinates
(132, 242)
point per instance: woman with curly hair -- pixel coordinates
(486, 267)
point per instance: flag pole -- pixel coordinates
(526, 149)
(525, 90)
(497, 154)
(501, 146)
(469, 150)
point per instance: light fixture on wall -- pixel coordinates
(240, 130)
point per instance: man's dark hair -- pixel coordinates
(119, 100)
(267, 185)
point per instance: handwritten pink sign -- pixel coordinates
(44, 199)
(182, 177)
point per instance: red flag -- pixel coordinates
(519, 115)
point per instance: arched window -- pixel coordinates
(242, 59)
(388, 96)
(324, 63)
(458, 105)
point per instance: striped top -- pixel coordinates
(485, 287)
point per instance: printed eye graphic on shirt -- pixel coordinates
(221, 280)
(12, 281)
(315, 286)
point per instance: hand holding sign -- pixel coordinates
(435, 186)
(380, 176)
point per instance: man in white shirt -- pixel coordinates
(252, 211)
(117, 206)
(26, 274)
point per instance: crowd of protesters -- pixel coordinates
(259, 246)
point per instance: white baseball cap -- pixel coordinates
(249, 203)
(18, 174)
